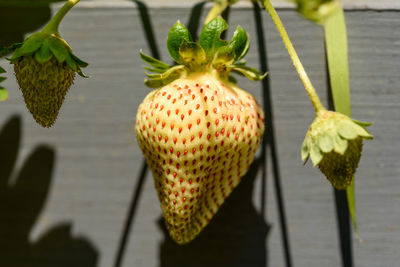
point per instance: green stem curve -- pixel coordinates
(316, 102)
(52, 26)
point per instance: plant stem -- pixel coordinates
(295, 58)
(52, 26)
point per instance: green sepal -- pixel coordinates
(44, 46)
(159, 80)
(362, 123)
(315, 154)
(3, 94)
(176, 36)
(192, 54)
(347, 130)
(305, 149)
(249, 72)
(240, 43)
(224, 57)
(78, 61)
(326, 142)
(43, 54)
(58, 49)
(210, 37)
(9, 49)
(158, 65)
(340, 145)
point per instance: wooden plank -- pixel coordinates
(97, 159)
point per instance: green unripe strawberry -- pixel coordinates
(45, 68)
(44, 86)
(334, 144)
(198, 130)
(317, 10)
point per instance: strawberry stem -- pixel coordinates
(52, 26)
(316, 102)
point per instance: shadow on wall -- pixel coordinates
(235, 237)
(23, 194)
(19, 17)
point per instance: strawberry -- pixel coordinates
(334, 143)
(199, 131)
(45, 67)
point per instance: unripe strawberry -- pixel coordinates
(45, 68)
(334, 143)
(199, 132)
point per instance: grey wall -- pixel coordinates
(85, 175)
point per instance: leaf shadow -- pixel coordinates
(22, 17)
(236, 236)
(22, 198)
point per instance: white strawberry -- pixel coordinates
(199, 132)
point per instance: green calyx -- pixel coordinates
(43, 46)
(317, 10)
(210, 54)
(334, 143)
(3, 91)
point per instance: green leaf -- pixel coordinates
(43, 54)
(159, 80)
(3, 94)
(192, 54)
(336, 50)
(210, 37)
(176, 36)
(79, 61)
(9, 49)
(59, 50)
(249, 72)
(2, 70)
(2, 79)
(240, 43)
(157, 64)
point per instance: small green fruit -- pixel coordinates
(45, 69)
(44, 86)
(334, 143)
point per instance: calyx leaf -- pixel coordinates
(249, 72)
(44, 46)
(240, 43)
(210, 54)
(210, 36)
(176, 36)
